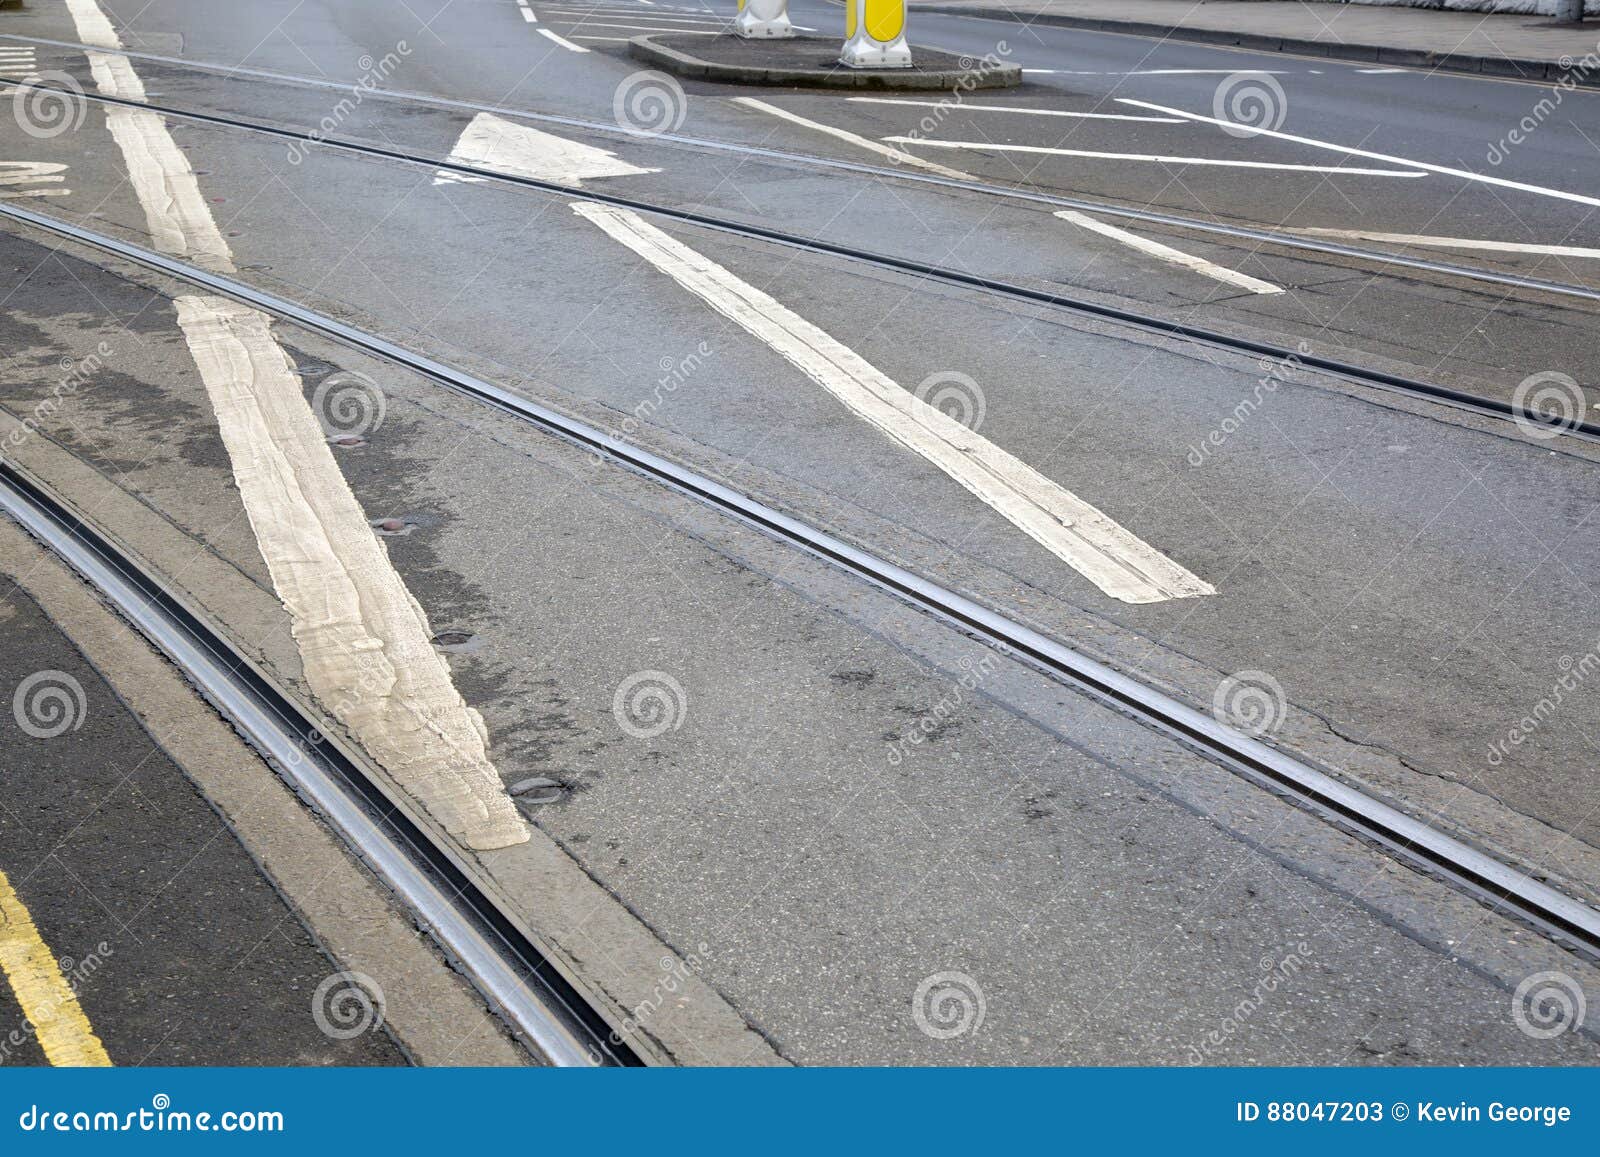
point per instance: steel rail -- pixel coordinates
(1409, 840)
(1360, 375)
(509, 969)
(1005, 192)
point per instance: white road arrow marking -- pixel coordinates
(503, 146)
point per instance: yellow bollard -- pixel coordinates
(875, 34)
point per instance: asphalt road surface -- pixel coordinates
(847, 801)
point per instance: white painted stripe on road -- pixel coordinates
(503, 146)
(1158, 71)
(1452, 242)
(898, 156)
(179, 219)
(1120, 564)
(1380, 71)
(561, 40)
(1464, 174)
(364, 641)
(527, 14)
(642, 28)
(1167, 253)
(981, 146)
(968, 106)
(626, 39)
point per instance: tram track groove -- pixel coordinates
(1505, 889)
(520, 978)
(1350, 372)
(1146, 216)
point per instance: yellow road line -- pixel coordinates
(46, 1000)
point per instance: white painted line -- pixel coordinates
(641, 28)
(630, 14)
(1116, 561)
(1464, 174)
(968, 106)
(527, 14)
(1160, 72)
(31, 173)
(982, 146)
(503, 146)
(1453, 242)
(567, 44)
(1381, 71)
(1167, 253)
(626, 39)
(365, 644)
(898, 156)
(632, 19)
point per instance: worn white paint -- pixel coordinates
(990, 146)
(561, 40)
(898, 156)
(1119, 563)
(969, 106)
(15, 174)
(365, 643)
(1464, 174)
(1167, 253)
(1452, 242)
(503, 146)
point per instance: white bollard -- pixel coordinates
(875, 34)
(763, 20)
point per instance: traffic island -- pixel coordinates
(812, 62)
